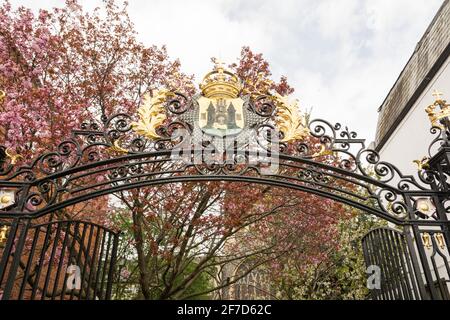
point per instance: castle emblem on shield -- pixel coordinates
(221, 112)
(221, 117)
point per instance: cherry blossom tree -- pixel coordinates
(66, 65)
(63, 66)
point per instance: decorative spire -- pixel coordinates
(437, 95)
(218, 64)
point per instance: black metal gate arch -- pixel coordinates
(115, 153)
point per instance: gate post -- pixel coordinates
(415, 263)
(440, 166)
(436, 174)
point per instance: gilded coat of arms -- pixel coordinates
(221, 111)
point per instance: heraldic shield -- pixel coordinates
(221, 117)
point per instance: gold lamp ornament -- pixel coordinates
(425, 207)
(7, 198)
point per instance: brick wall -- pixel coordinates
(433, 45)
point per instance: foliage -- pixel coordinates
(341, 275)
(64, 66)
(203, 283)
(255, 72)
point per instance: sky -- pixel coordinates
(341, 56)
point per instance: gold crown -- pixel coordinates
(434, 115)
(220, 83)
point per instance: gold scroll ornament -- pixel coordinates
(13, 157)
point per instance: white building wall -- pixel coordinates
(412, 137)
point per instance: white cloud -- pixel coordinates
(342, 56)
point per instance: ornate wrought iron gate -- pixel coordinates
(401, 274)
(63, 260)
(386, 249)
(176, 138)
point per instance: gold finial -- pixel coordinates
(434, 115)
(426, 238)
(3, 233)
(220, 83)
(422, 164)
(2, 94)
(440, 240)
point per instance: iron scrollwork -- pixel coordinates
(168, 138)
